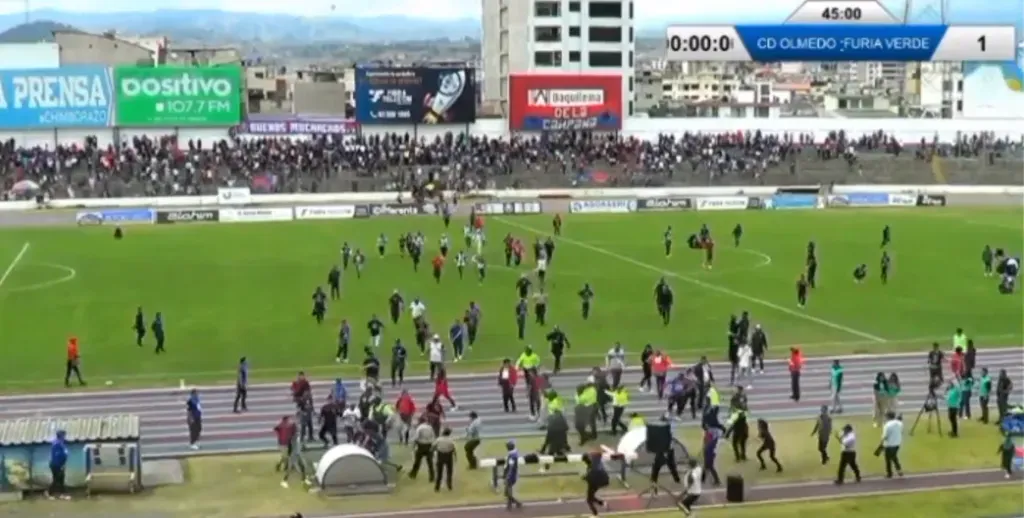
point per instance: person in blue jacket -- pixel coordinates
(511, 476)
(194, 417)
(340, 393)
(58, 465)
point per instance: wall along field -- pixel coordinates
(227, 291)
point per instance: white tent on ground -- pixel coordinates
(347, 469)
(635, 441)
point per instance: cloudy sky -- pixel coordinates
(647, 11)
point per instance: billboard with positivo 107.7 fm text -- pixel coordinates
(178, 96)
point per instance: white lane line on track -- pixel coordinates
(14, 264)
(702, 284)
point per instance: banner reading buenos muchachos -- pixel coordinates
(178, 96)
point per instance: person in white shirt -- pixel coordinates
(436, 351)
(745, 356)
(892, 439)
(848, 458)
(616, 363)
(542, 267)
(693, 489)
(417, 309)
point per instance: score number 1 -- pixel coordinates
(977, 43)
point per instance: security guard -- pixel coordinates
(636, 421)
(620, 400)
(589, 401)
(714, 399)
(529, 361)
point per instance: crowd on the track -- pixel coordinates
(166, 166)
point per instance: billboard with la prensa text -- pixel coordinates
(415, 95)
(565, 102)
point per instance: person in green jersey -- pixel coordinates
(1007, 450)
(967, 388)
(835, 383)
(984, 390)
(954, 397)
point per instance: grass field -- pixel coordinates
(232, 290)
(223, 486)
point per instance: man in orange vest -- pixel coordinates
(660, 364)
(796, 364)
(72, 365)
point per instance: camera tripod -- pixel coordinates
(654, 490)
(930, 407)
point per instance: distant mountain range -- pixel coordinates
(213, 26)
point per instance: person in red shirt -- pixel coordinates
(441, 388)
(406, 409)
(660, 364)
(438, 264)
(507, 377)
(709, 253)
(796, 364)
(478, 222)
(434, 414)
(536, 394)
(73, 363)
(956, 363)
(517, 252)
(301, 390)
(284, 431)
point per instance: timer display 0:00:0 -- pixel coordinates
(697, 43)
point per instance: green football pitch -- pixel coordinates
(231, 290)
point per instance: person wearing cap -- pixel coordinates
(73, 363)
(58, 465)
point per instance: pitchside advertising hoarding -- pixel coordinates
(66, 97)
(415, 95)
(565, 102)
(178, 96)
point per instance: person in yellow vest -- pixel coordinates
(960, 339)
(714, 399)
(620, 400)
(529, 362)
(588, 398)
(636, 421)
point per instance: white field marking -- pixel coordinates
(69, 275)
(333, 368)
(766, 260)
(14, 264)
(702, 284)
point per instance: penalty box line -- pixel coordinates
(702, 284)
(14, 263)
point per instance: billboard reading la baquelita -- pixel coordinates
(415, 95)
(565, 102)
(178, 96)
(66, 97)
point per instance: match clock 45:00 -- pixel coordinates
(704, 43)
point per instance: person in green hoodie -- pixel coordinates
(967, 386)
(954, 397)
(1007, 450)
(984, 390)
(835, 382)
(892, 392)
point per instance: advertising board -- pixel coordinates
(508, 207)
(115, 217)
(234, 196)
(178, 96)
(66, 97)
(722, 203)
(256, 214)
(415, 95)
(792, 201)
(902, 200)
(862, 199)
(664, 204)
(297, 125)
(930, 200)
(565, 102)
(394, 209)
(325, 212)
(602, 206)
(164, 217)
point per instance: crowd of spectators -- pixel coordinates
(166, 166)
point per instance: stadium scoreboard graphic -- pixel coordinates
(851, 30)
(565, 102)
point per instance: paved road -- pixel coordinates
(164, 432)
(631, 503)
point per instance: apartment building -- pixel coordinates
(557, 36)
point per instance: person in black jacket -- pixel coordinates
(758, 345)
(767, 445)
(645, 364)
(597, 479)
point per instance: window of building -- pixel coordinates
(574, 7)
(605, 34)
(762, 112)
(630, 108)
(630, 10)
(544, 9)
(630, 59)
(503, 88)
(605, 9)
(574, 56)
(605, 59)
(959, 105)
(574, 31)
(766, 90)
(630, 84)
(631, 35)
(547, 34)
(547, 59)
